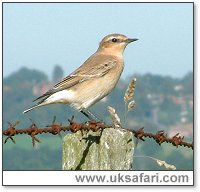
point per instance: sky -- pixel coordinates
(42, 35)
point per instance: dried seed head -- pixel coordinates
(130, 91)
(131, 105)
(166, 165)
(115, 117)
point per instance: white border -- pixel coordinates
(51, 174)
(27, 178)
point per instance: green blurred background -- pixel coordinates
(162, 103)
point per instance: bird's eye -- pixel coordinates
(114, 40)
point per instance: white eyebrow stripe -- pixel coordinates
(112, 37)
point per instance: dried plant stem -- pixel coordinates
(128, 105)
(115, 117)
(130, 91)
(131, 105)
(160, 162)
(125, 113)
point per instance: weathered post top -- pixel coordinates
(87, 151)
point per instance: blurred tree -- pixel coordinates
(24, 77)
(169, 113)
(187, 81)
(57, 74)
(18, 94)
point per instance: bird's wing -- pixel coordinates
(85, 74)
(92, 68)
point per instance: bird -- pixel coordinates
(93, 80)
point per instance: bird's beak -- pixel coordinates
(130, 40)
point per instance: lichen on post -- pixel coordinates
(113, 150)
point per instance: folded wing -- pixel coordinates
(94, 67)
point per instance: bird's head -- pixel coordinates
(115, 43)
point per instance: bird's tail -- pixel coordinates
(33, 107)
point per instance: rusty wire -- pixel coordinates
(55, 129)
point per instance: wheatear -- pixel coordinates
(93, 80)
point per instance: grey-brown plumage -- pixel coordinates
(93, 80)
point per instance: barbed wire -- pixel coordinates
(55, 129)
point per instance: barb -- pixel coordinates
(55, 129)
(160, 137)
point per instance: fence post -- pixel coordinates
(87, 151)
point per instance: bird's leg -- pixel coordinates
(86, 114)
(90, 115)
